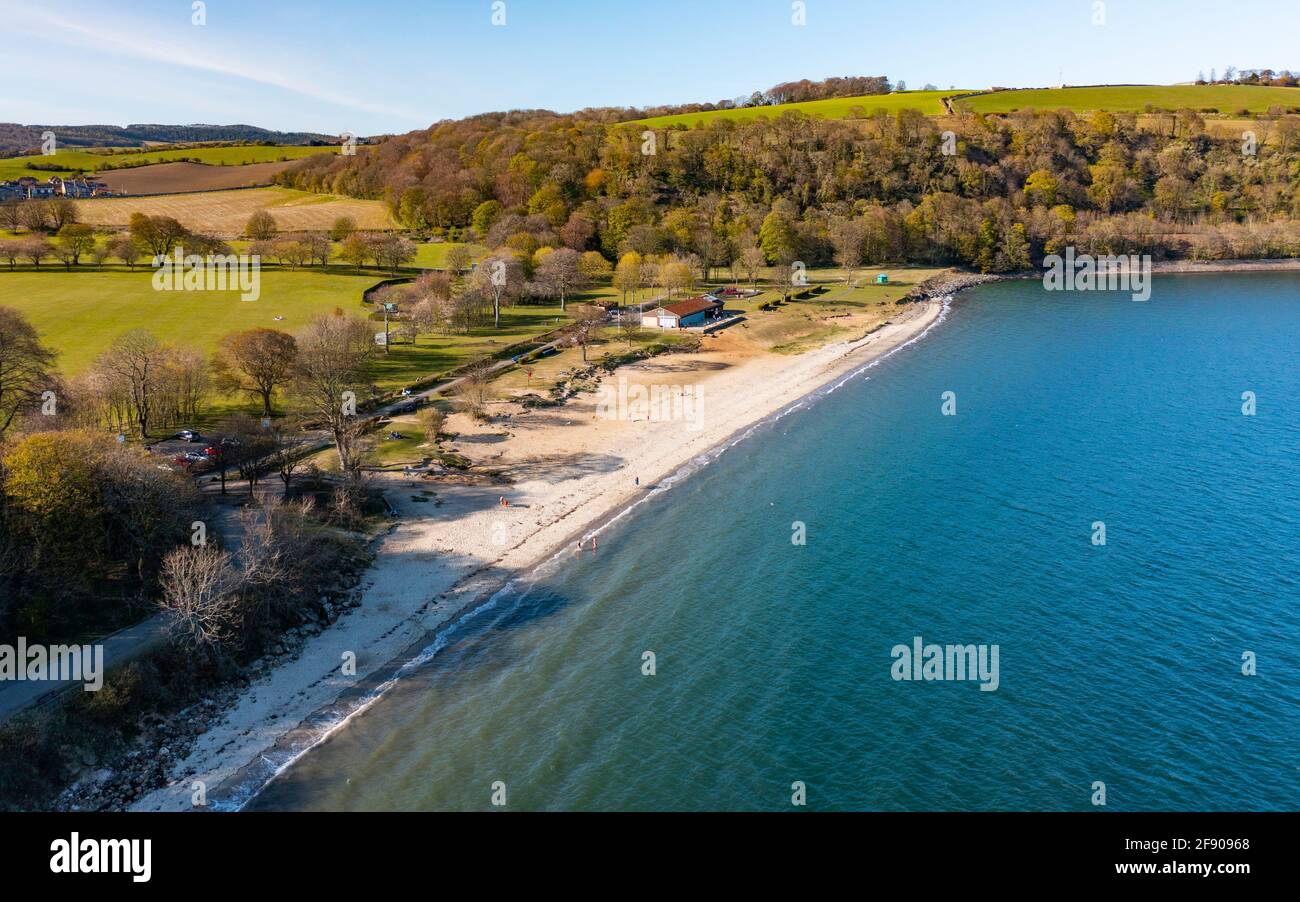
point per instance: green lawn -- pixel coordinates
(79, 313)
(1134, 98)
(430, 255)
(71, 161)
(928, 102)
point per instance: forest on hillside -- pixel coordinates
(993, 192)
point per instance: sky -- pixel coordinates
(384, 66)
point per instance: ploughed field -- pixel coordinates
(178, 178)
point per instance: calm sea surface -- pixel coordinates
(1119, 663)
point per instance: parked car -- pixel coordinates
(189, 435)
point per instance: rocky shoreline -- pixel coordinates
(164, 740)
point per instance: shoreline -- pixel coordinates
(419, 590)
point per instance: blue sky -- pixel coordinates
(396, 65)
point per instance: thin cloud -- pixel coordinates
(53, 26)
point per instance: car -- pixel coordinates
(409, 408)
(189, 435)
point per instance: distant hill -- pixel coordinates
(16, 140)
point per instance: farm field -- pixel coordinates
(69, 162)
(431, 255)
(80, 313)
(224, 213)
(178, 178)
(928, 102)
(1226, 99)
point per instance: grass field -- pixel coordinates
(430, 255)
(224, 213)
(80, 313)
(1225, 99)
(928, 102)
(72, 161)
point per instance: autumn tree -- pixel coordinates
(256, 361)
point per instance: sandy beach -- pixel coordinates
(566, 470)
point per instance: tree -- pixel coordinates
(431, 421)
(594, 267)
(559, 274)
(200, 593)
(157, 234)
(36, 249)
(459, 258)
(847, 236)
(62, 212)
(343, 228)
(474, 391)
(295, 252)
(1041, 188)
(501, 278)
(628, 274)
(26, 367)
(333, 352)
(587, 320)
(12, 251)
(134, 361)
(256, 361)
(355, 250)
(11, 215)
(393, 251)
(750, 261)
(318, 249)
(777, 238)
(261, 226)
(76, 239)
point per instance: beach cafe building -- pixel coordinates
(684, 314)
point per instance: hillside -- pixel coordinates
(18, 139)
(928, 102)
(70, 162)
(1219, 98)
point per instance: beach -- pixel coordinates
(565, 471)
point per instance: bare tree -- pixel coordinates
(200, 591)
(501, 278)
(559, 274)
(848, 237)
(474, 391)
(134, 361)
(587, 321)
(333, 352)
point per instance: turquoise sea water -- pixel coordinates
(1118, 663)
